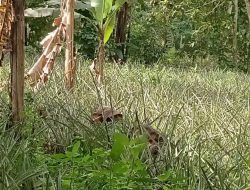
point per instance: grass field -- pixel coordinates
(205, 115)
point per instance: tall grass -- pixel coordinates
(205, 115)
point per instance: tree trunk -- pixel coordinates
(235, 40)
(121, 31)
(248, 10)
(70, 65)
(17, 61)
(101, 58)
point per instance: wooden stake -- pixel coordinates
(17, 61)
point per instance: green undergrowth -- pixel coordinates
(204, 115)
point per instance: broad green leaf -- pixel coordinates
(99, 9)
(139, 140)
(120, 167)
(107, 8)
(120, 142)
(139, 166)
(109, 27)
(76, 147)
(66, 184)
(165, 176)
(137, 149)
(86, 158)
(138, 145)
(68, 154)
(58, 156)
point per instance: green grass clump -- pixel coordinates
(205, 115)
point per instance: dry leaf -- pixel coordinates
(52, 45)
(6, 19)
(105, 114)
(57, 21)
(155, 139)
(46, 41)
(39, 73)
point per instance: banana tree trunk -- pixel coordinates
(101, 58)
(17, 61)
(70, 65)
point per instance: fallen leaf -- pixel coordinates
(105, 114)
(155, 139)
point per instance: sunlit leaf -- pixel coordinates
(120, 167)
(120, 142)
(58, 156)
(138, 145)
(109, 27)
(107, 7)
(164, 176)
(99, 8)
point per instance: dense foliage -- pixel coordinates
(164, 30)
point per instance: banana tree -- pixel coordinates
(104, 13)
(39, 73)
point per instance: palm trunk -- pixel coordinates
(70, 65)
(17, 61)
